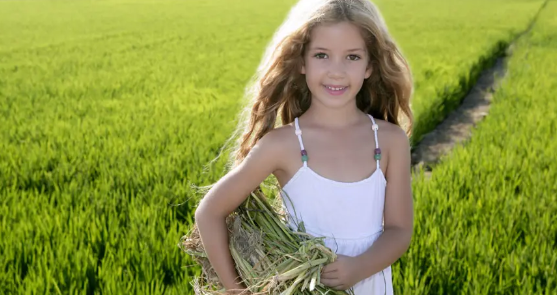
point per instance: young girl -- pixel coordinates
(340, 86)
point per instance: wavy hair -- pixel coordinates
(279, 89)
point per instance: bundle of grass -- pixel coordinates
(269, 257)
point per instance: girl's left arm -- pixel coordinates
(398, 214)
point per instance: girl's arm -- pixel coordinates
(225, 197)
(398, 214)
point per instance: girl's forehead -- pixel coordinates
(336, 36)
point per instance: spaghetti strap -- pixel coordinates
(377, 155)
(303, 150)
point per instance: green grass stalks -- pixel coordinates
(269, 257)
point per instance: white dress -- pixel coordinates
(348, 214)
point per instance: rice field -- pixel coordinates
(110, 109)
(487, 219)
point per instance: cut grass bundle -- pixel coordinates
(269, 257)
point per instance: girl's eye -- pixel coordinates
(352, 57)
(320, 55)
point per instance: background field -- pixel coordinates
(110, 109)
(487, 219)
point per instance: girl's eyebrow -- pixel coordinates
(349, 50)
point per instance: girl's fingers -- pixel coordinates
(329, 268)
(329, 275)
(333, 283)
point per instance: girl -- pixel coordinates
(339, 84)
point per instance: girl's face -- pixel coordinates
(335, 63)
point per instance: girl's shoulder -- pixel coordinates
(281, 143)
(391, 130)
(281, 133)
(391, 135)
(282, 138)
(395, 146)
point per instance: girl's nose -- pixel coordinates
(337, 68)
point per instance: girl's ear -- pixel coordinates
(303, 69)
(368, 71)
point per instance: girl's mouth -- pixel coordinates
(335, 90)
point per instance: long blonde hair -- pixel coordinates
(278, 87)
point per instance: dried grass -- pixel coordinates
(269, 257)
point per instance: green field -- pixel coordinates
(487, 220)
(110, 109)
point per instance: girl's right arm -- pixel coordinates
(225, 197)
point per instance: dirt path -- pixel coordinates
(459, 124)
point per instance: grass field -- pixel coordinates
(487, 219)
(110, 109)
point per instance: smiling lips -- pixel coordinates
(335, 89)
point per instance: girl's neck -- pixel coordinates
(330, 118)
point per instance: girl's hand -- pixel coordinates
(341, 274)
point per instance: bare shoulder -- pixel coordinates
(395, 142)
(393, 133)
(277, 139)
(280, 133)
(277, 144)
